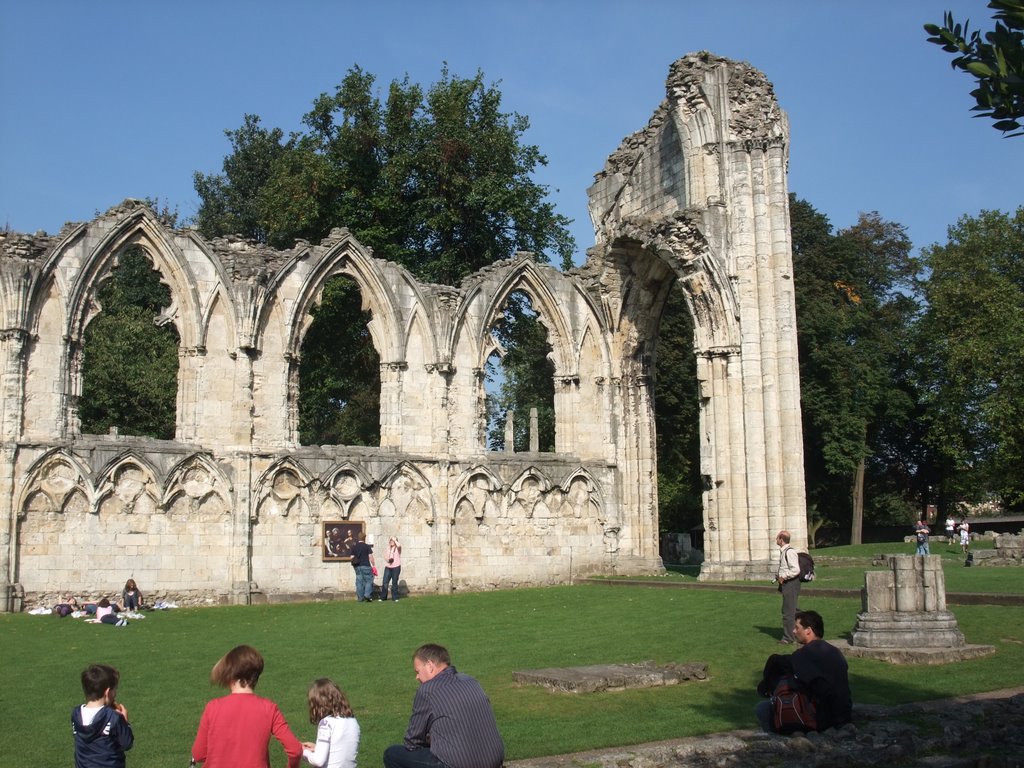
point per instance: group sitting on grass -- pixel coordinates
(452, 724)
(103, 611)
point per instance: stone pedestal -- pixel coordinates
(904, 617)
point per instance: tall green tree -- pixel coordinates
(995, 60)
(973, 335)
(677, 419)
(130, 365)
(854, 305)
(438, 180)
(339, 379)
(232, 201)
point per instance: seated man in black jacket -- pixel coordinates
(818, 668)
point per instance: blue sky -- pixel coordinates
(109, 99)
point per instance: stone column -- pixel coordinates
(12, 394)
(391, 375)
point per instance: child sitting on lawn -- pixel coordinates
(337, 732)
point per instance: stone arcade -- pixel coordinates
(231, 508)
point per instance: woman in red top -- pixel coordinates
(235, 730)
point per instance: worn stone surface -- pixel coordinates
(984, 731)
(611, 677)
(232, 509)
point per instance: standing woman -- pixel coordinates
(337, 732)
(235, 730)
(392, 569)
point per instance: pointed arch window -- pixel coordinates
(339, 372)
(519, 377)
(130, 354)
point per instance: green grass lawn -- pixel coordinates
(165, 662)
(844, 567)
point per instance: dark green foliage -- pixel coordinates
(130, 366)
(527, 378)
(972, 343)
(339, 378)
(854, 309)
(677, 419)
(995, 60)
(437, 181)
(232, 202)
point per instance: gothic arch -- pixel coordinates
(283, 487)
(477, 494)
(347, 488)
(138, 228)
(348, 257)
(405, 490)
(58, 486)
(524, 274)
(197, 479)
(132, 480)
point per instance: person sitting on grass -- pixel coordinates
(131, 596)
(818, 668)
(337, 731)
(235, 730)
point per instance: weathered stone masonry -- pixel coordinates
(232, 506)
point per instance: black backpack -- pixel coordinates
(806, 566)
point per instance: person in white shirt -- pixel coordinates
(337, 731)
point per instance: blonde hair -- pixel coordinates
(327, 700)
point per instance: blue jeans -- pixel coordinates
(364, 582)
(764, 714)
(923, 549)
(397, 756)
(390, 574)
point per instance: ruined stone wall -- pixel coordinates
(232, 509)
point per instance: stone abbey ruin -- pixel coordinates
(233, 508)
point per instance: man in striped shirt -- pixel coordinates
(452, 723)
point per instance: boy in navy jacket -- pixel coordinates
(101, 729)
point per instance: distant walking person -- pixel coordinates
(965, 535)
(922, 532)
(452, 723)
(787, 575)
(950, 530)
(362, 562)
(392, 569)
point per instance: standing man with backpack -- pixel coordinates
(787, 576)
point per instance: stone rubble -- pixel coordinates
(983, 731)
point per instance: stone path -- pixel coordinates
(979, 731)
